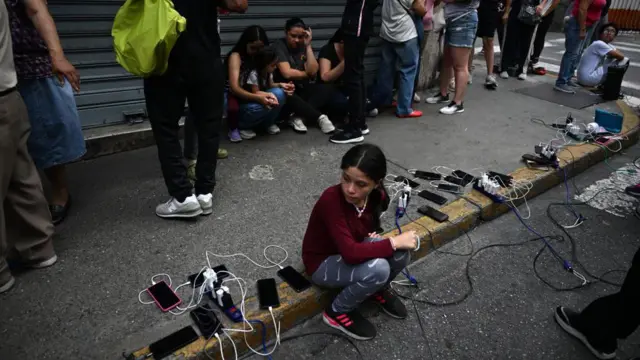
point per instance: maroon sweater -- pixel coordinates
(335, 228)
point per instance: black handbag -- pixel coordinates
(528, 13)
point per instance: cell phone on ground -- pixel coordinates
(455, 180)
(198, 278)
(168, 345)
(207, 321)
(268, 294)
(428, 195)
(449, 188)
(426, 175)
(403, 179)
(164, 296)
(298, 282)
(433, 213)
(464, 176)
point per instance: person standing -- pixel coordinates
(399, 45)
(489, 20)
(357, 26)
(538, 43)
(461, 25)
(195, 74)
(24, 217)
(578, 29)
(46, 81)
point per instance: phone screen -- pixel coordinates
(164, 296)
(432, 197)
(294, 279)
(411, 183)
(207, 321)
(446, 187)
(179, 339)
(268, 293)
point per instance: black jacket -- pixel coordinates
(358, 17)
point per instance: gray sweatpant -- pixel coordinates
(359, 281)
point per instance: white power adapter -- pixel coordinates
(573, 129)
(489, 185)
(210, 278)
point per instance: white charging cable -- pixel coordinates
(264, 254)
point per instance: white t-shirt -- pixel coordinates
(252, 79)
(397, 24)
(8, 78)
(594, 63)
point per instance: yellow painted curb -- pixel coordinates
(297, 307)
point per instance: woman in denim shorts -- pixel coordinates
(460, 32)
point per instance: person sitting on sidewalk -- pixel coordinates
(331, 61)
(262, 109)
(46, 81)
(608, 318)
(298, 64)
(342, 250)
(25, 220)
(399, 45)
(461, 27)
(596, 60)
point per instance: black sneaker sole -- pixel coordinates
(348, 141)
(578, 335)
(332, 323)
(395, 316)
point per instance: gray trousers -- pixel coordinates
(358, 281)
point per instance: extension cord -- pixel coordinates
(488, 188)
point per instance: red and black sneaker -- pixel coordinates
(633, 190)
(353, 324)
(390, 303)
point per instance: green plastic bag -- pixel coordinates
(144, 32)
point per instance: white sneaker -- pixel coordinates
(416, 98)
(189, 208)
(273, 129)
(504, 75)
(490, 82)
(452, 108)
(452, 85)
(470, 81)
(325, 124)
(373, 113)
(247, 134)
(297, 124)
(206, 203)
(522, 76)
(45, 263)
(8, 285)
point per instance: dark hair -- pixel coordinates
(370, 159)
(337, 37)
(249, 35)
(295, 22)
(610, 24)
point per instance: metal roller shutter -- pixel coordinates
(110, 95)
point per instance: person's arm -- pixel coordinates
(291, 74)
(507, 9)
(554, 5)
(311, 65)
(616, 54)
(582, 17)
(237, 6)
(234, 81)
(418, 8)
(39, 14)
(327, 74)
(540, 8)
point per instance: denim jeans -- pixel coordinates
(574, 46)
(406, 54)
(254, 115)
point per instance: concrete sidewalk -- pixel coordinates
(112, 243)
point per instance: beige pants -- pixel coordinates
(25, 221)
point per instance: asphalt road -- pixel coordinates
(509, 313)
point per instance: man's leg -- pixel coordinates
(407, 54)
(383, 91)
(571, 44)
(24, 206)
(608, 318)
(541, 34)
(354, 49)
(206, 101)
(165, 99)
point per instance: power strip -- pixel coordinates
(489, 188)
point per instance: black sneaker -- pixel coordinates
(364, 129)
(563, 317)
(633, 190)
(438, 99)
(347, 136)
(353, 324)
(390, 304)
